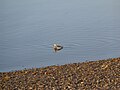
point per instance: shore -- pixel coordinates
(92, 75)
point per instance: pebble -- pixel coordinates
(90, 75)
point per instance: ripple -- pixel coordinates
(93, 43)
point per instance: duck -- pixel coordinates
(57, 47)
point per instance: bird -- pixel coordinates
(57, 47)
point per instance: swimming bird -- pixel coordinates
(57, 47)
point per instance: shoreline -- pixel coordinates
(95, 75)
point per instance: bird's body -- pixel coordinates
(57, 47)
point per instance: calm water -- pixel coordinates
(88, 30)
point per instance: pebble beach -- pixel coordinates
(90, 75)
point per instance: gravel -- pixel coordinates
(92, 75)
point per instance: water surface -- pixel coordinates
(88, 30)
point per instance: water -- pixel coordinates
(88, 30)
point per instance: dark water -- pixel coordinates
(88, 30)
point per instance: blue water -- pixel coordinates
(87, 29)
